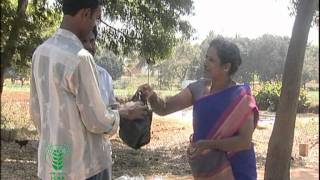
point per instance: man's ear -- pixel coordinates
(85, 13)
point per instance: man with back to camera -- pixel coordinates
(66, 104)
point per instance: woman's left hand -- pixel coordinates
(200, 146)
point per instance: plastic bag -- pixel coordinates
(136, 133)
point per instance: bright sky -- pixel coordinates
(248, 18)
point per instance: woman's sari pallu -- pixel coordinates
(220, 116)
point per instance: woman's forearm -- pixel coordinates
(172, 104)
(158, 105)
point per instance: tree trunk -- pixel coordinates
(281, 141)
(22, 81)
(13, 80)
(10, 46)
(252, 81)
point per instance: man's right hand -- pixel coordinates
(133, 110)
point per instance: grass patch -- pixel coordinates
(313, 96)
(307, 125)
(16, 88)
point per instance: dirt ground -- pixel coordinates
(164, 157)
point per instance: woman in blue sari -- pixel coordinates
(224, 117)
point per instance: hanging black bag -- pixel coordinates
(136, 133)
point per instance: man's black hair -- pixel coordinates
(71, 7)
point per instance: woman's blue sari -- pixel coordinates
(220, 116)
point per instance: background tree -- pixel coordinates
(181, 65)
(195, 68)
(165, 75)
(310, 69)
(267, 55)
(181, 61)
(22, 30)
(14, 15)
(109, 61)
(281, 141)
(248, 66)
(151, 28)
(263, 58)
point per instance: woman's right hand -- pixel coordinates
(146, 90)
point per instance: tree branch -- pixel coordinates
(117, 30)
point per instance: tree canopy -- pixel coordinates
(22, 30)
(150, 27)
(110, 62)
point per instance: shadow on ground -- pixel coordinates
(149, 161)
